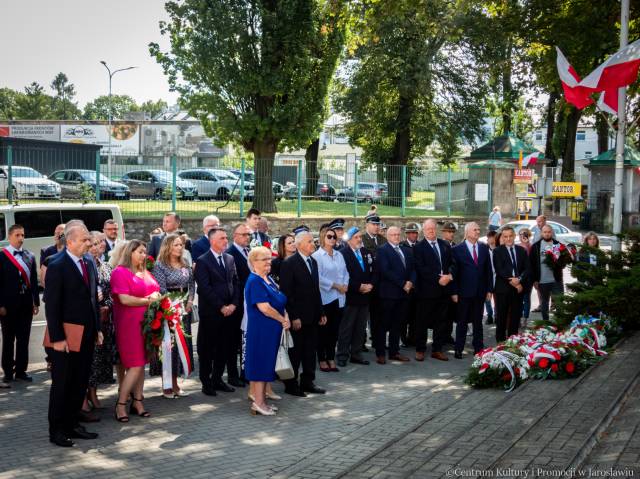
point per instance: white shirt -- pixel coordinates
(470, 246)
(20, 259)
(434, 245)
(110, 243)
(217, 257)
(332, 270)
(305, 258)
(76, 261)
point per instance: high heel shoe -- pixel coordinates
(273, 396)
(133, 410)
(252, 399)
(124, 418)
(255, 410)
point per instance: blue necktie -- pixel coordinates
(359, 257)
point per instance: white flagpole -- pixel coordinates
(622, 117)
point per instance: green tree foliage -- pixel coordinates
(411, 82)
(154, 108)
(255, 72)
(9, 103)
(35, 104)
(64, 108)
(98, 109)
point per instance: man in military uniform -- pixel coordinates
(408, 326)
(372, 239)
(448, 231)
(337, 226)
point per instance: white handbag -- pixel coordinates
(284, 370)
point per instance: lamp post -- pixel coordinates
(109, 128)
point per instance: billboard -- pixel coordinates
(125, 137)
(32, 132)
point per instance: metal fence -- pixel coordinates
(148, 186)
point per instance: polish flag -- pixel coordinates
(608, 101)
(573, 92)
(531, 159)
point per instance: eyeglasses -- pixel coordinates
(330, 236)
(244, 234)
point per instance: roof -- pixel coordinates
(608, 158)
(494, 164)
(505, 147)
(27, 142)
(453, 182)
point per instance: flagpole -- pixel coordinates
(622, 117)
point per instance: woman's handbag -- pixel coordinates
(284, 370)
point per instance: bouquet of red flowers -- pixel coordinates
(150, 262)
(152, 326)
(560, 255)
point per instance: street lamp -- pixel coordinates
(109, 129)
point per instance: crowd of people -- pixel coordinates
(328, 293)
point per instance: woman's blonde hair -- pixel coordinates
(164, 256)
(116, 252)
(256, 252)
(125, 259)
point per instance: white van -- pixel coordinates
(40, 220)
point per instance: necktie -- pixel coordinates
(397, 248)
(359, 257)
(310, 263)
(513, 260)
(475, 255)
(220, 262)
(246, 252)
(18, 252)
(85, 273)
(435, 249)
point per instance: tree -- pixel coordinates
(63, 106)
(411, 83)
(9, 103)
(34, 104)
(154, 108)
(255, 72)
(98, 109)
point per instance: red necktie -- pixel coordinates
(475, 255)
(85, 273)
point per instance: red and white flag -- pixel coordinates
(608, 101)
(531, 159)
(619, 70)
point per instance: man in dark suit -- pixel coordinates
(19, 301)
(433, 268)
(300, 283)
(110, 230)
(201, 246)
(353, 326)
(471, 286)
(447, 234)
(71, 299)
(219, 296)
(253, 224)
(396, 276)
(371, 238)
(408, 328)
(170, 225)
(240, 252)
(512, 269)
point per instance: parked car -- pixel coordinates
(154, 183)
(218, 184)
(367, 192)
(561, 232)
(27, 183)
(278, 189)
(71, 182)
(324, 191)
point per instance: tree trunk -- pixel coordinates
(264, 153)
(602, 127)
(551, 125)
(569, 155)
(311, 167)
(507, 96)
(401, 151)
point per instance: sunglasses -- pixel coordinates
(330, 236)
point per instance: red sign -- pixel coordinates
(523, 176)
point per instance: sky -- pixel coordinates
(41, 38)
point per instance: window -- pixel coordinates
(187, 175)
(58, 176)
(539, 136)
(38, 223)
(581, 135)
(93, 219)
(588, 154)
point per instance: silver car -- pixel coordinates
(156, 184)
(27, 183)
(560, 232)
(218, 184)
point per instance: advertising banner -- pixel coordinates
(125, 137)
(563, 189)
(32, 132)
(523, 176)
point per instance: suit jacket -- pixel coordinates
(392, 273)
(428, 269)
(371, 245)
(13, 289)
(406, 244)
(471, 280)
(503, 266)
(302, 289)
(242, 268)
(263, 237)
(200, 247)
(534, 258)
(357, 276)
(216, 288)
(68, 298)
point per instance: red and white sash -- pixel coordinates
(14, 261)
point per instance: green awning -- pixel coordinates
(505, 147)
(608, 158)
(494, 164)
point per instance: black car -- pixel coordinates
(71, 182)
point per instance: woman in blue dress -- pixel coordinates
(266, 317)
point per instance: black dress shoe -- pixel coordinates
(60, 439)
(313, 389)
(365, 349)
(295, 391)
(490, 320)
(81, 433)
(237, 382)
(222, 386)
(7, 379)
(358, 361)
(457, 355)
(24, 377)
(208, 391)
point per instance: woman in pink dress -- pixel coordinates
(133, 288)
